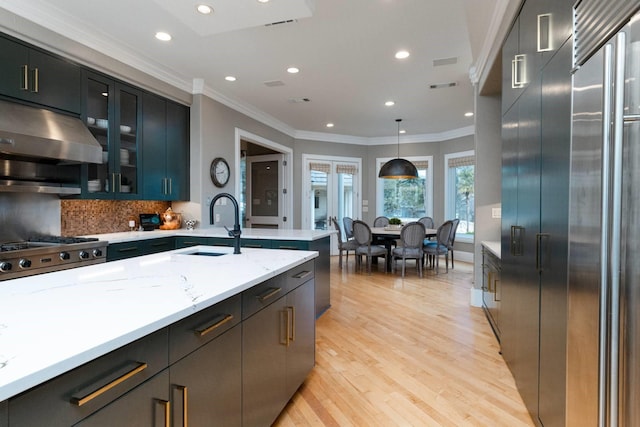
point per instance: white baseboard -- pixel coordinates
(475, 297)
(463, 256)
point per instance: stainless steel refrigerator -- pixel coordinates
(603, 343)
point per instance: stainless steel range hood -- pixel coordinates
(29, 132)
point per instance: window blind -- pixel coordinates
(320, 167)
(456, 162)
(346, 169)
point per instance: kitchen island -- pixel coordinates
(55, 324)
(135, 243)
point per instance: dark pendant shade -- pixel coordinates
(398, 169)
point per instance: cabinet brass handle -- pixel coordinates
(36, 80)
(205, 329)
(128, 249)
(25, 78)
(495, 290)
(170, 186)
(302, 274)
(268, 294)
(139, 367)
(167, 412)
(489, 280)
(293, 323)
(185, 417)
(288, 247)
(253, 246)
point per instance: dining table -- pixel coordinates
(388, 235)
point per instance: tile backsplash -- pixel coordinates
(80, 217)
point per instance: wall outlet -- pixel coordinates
(365, 209)
(365, 202)
(217, 217)
(496, 213)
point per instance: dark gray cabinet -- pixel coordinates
(278, 335)
(32, 75)
(203, 370)
(113, 112)
(72, 397)
(165, 148)
(206, 386)
(146, 405)
(4, 414)
(534, 224)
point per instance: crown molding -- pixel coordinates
(493, 41)
(386, 140)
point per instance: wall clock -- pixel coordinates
(219, 172)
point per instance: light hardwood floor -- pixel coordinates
(405, 352)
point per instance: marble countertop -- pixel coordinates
(493, 246)
(247, 233)
(54, 322)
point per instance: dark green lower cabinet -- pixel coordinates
(4, 414)
(124, 250)
(184, 241)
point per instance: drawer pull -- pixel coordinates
(137, 368)
(294, 248)
(185, 401)
(268, 294)
(250, 245)
(302, 274)
(129, 249)
(25, 78)
(167, 412)
(204, 330)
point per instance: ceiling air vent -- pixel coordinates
(445, 61)
(273, 83)
(300, 100)
(288, 21)
(443, 85)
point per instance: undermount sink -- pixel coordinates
(207, 253)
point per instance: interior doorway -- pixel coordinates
(264, 177)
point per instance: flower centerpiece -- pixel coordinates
(395, 223)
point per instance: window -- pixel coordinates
(407, 199)
(459, 192)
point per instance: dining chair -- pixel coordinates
(348, 227)
(381, 221)
(427, 221)
(343, 245)
(439, 246)
(410, 247)
(362, 235)
(452, 237)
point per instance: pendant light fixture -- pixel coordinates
(398, 168)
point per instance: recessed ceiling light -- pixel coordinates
(402, 54)
(204, 9)
(105, 94)
(390, 103)
(161, 35)
(293, 70)
(263, 1)
(403, 131)
(468, 114)
(230, 78)
(329, 125)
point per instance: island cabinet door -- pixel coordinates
(4, 414)
(146, 405)
(264, 365)
(302, 334)
(206, 386)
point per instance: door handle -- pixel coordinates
(517, 234)
(542, 251)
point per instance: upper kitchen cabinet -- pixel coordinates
(540, 29)
(31, 75)
(113, 112)
(165, 148)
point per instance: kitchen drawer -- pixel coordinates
(200, 328)
(290, 244)
(186, 241)
(260, 296)
(153, 246)
(76, 394)
(117, 251)
(299, 275)
(255, 243)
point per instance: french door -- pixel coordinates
(265, 198)
(331, 189)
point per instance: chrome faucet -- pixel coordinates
(235, 233)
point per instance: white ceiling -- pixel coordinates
(343, 48)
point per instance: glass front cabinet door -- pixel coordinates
(113, 114)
